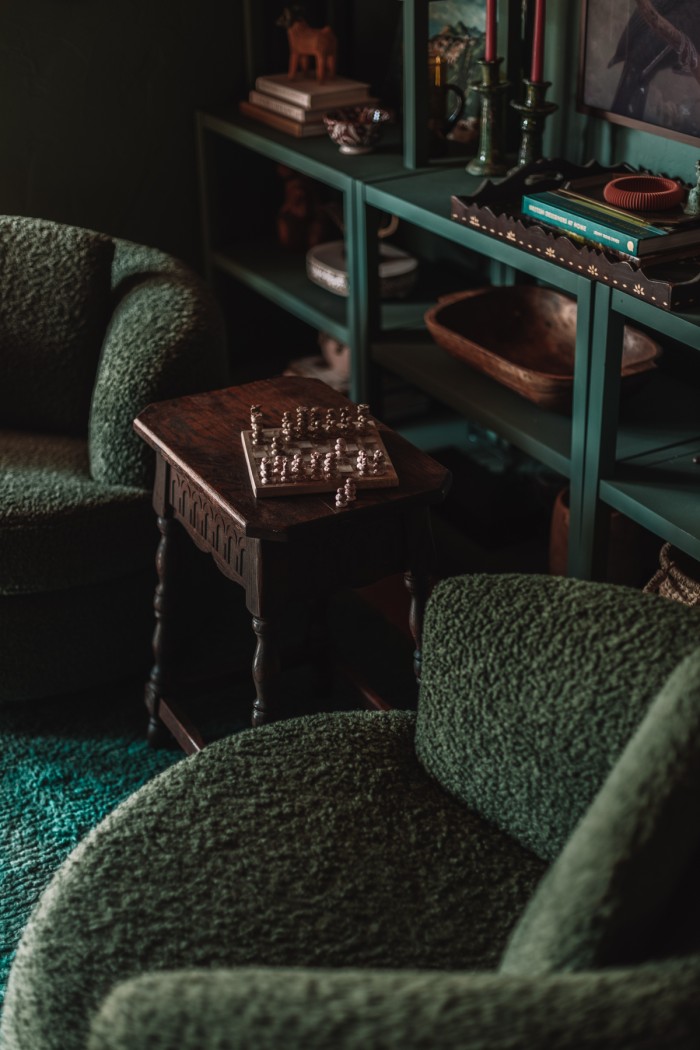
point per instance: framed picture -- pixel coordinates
(639, 65)
(456, 32)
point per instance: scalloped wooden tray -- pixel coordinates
(671, 283)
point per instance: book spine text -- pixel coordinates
(583, 226)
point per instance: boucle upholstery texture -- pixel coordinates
(646, 1008)
(340, 845)
(165, 338)
(93, 330)
(61, 641)
(319, 842)
(58, 527)
(627, 858)
(531, 686)
(55, 304)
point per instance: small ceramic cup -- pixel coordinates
(356, 129)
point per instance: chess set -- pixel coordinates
(315, 450)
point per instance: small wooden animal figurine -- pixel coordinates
(305, 42)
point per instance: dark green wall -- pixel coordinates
(97, 101)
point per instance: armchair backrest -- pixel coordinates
(531, 688)
(165, 338)
(56, 301)
(624, 888)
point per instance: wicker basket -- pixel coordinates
(677, 578)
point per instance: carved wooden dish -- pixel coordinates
(525, 338)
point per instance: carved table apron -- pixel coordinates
(276, 549)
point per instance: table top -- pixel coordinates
(200, 435)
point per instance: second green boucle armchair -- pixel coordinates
(92, 329)
(514, 867)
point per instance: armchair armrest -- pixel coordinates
(165, 339)
(304, 1009)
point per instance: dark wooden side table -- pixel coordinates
(276, 548)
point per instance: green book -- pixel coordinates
(631, 235)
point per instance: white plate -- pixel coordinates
(326, 266)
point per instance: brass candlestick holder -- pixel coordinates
(489, 160)
(534, 111)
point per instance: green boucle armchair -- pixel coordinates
(92, 329)
(514, 866)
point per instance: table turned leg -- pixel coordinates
(155, 687)
(417, 586)
(266, 667)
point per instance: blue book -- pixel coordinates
(631, 235)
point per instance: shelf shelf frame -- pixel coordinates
(640, 468)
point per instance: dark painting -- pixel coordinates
(639, 64)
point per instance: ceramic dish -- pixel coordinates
(356, 129)
(326, 266)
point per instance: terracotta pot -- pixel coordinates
(628, 545)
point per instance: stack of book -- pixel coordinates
(579, 210)
(297, 106)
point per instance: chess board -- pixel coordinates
(304, 481)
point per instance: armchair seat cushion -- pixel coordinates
(59, 528)
(318, 841)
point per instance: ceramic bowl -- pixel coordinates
(356, 129)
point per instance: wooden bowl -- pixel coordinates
(525, 338)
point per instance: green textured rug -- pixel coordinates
(64, 764)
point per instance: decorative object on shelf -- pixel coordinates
(491, 33)
(299, 129)
(643, 192)
(313, 366)
(534, 110)
(357, 129)
(305, 43)
(303, 221)
(297, 107)
(584, 209)
(671, 283)
(326, 265)
(537, 67)
(630, 61)
(441, 116)
(312, 452)
(524, 337)
(306, 114)
(677, 578)
(489, 159)
(308, 94)
(692, 204)
(630, 547)
(456, 37)
(336, 355)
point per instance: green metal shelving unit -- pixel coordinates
(637, 459)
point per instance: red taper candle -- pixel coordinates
(490, 43)
(536, 71)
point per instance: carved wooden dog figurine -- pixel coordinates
(306, 42)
